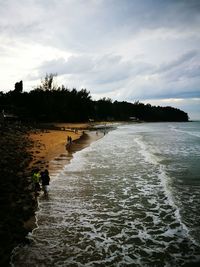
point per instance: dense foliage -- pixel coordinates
(51, 103)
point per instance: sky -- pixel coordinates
(127, 50)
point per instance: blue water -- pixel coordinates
(130, 199)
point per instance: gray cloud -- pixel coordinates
(78, 24)
(71, 66)
(110, 73)
(185, 58)
(100, 70)
(126, 49)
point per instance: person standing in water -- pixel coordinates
(45, 179)
(36, 181)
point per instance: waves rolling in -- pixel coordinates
(116, 204)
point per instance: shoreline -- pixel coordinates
(49, 142)
(51, 154)
(23, 148)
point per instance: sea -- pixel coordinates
(132, 198)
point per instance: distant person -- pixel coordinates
(36, 181)
(45, 179)
(69, 142)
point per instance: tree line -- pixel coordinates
(47, 103)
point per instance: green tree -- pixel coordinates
(48, 83)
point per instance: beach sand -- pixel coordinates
(49, 146)
(24, 148)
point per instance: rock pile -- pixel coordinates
(17, 203)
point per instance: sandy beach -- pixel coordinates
(50, 144)
(24, 148)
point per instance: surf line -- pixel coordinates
(164, 178)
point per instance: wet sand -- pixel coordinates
(23, 148)
(49, 146)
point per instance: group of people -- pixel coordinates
(41, 178)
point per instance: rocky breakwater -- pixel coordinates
(17, 203)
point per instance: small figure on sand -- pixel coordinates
(69, 142)
(36, 180)
(45, 179)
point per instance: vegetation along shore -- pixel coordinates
(48, 103)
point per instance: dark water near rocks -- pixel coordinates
(130, 199)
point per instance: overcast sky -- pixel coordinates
(146, 50)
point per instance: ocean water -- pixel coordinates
(130, 199)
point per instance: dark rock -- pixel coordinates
(16, 197)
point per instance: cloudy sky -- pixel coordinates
(146, 50)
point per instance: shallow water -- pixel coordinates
(130, 199)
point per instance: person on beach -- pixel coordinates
(69, 142)
(36, 181)
(45, 179)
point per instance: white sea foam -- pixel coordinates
(165, 179)
(189, 132)
(112, 205)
